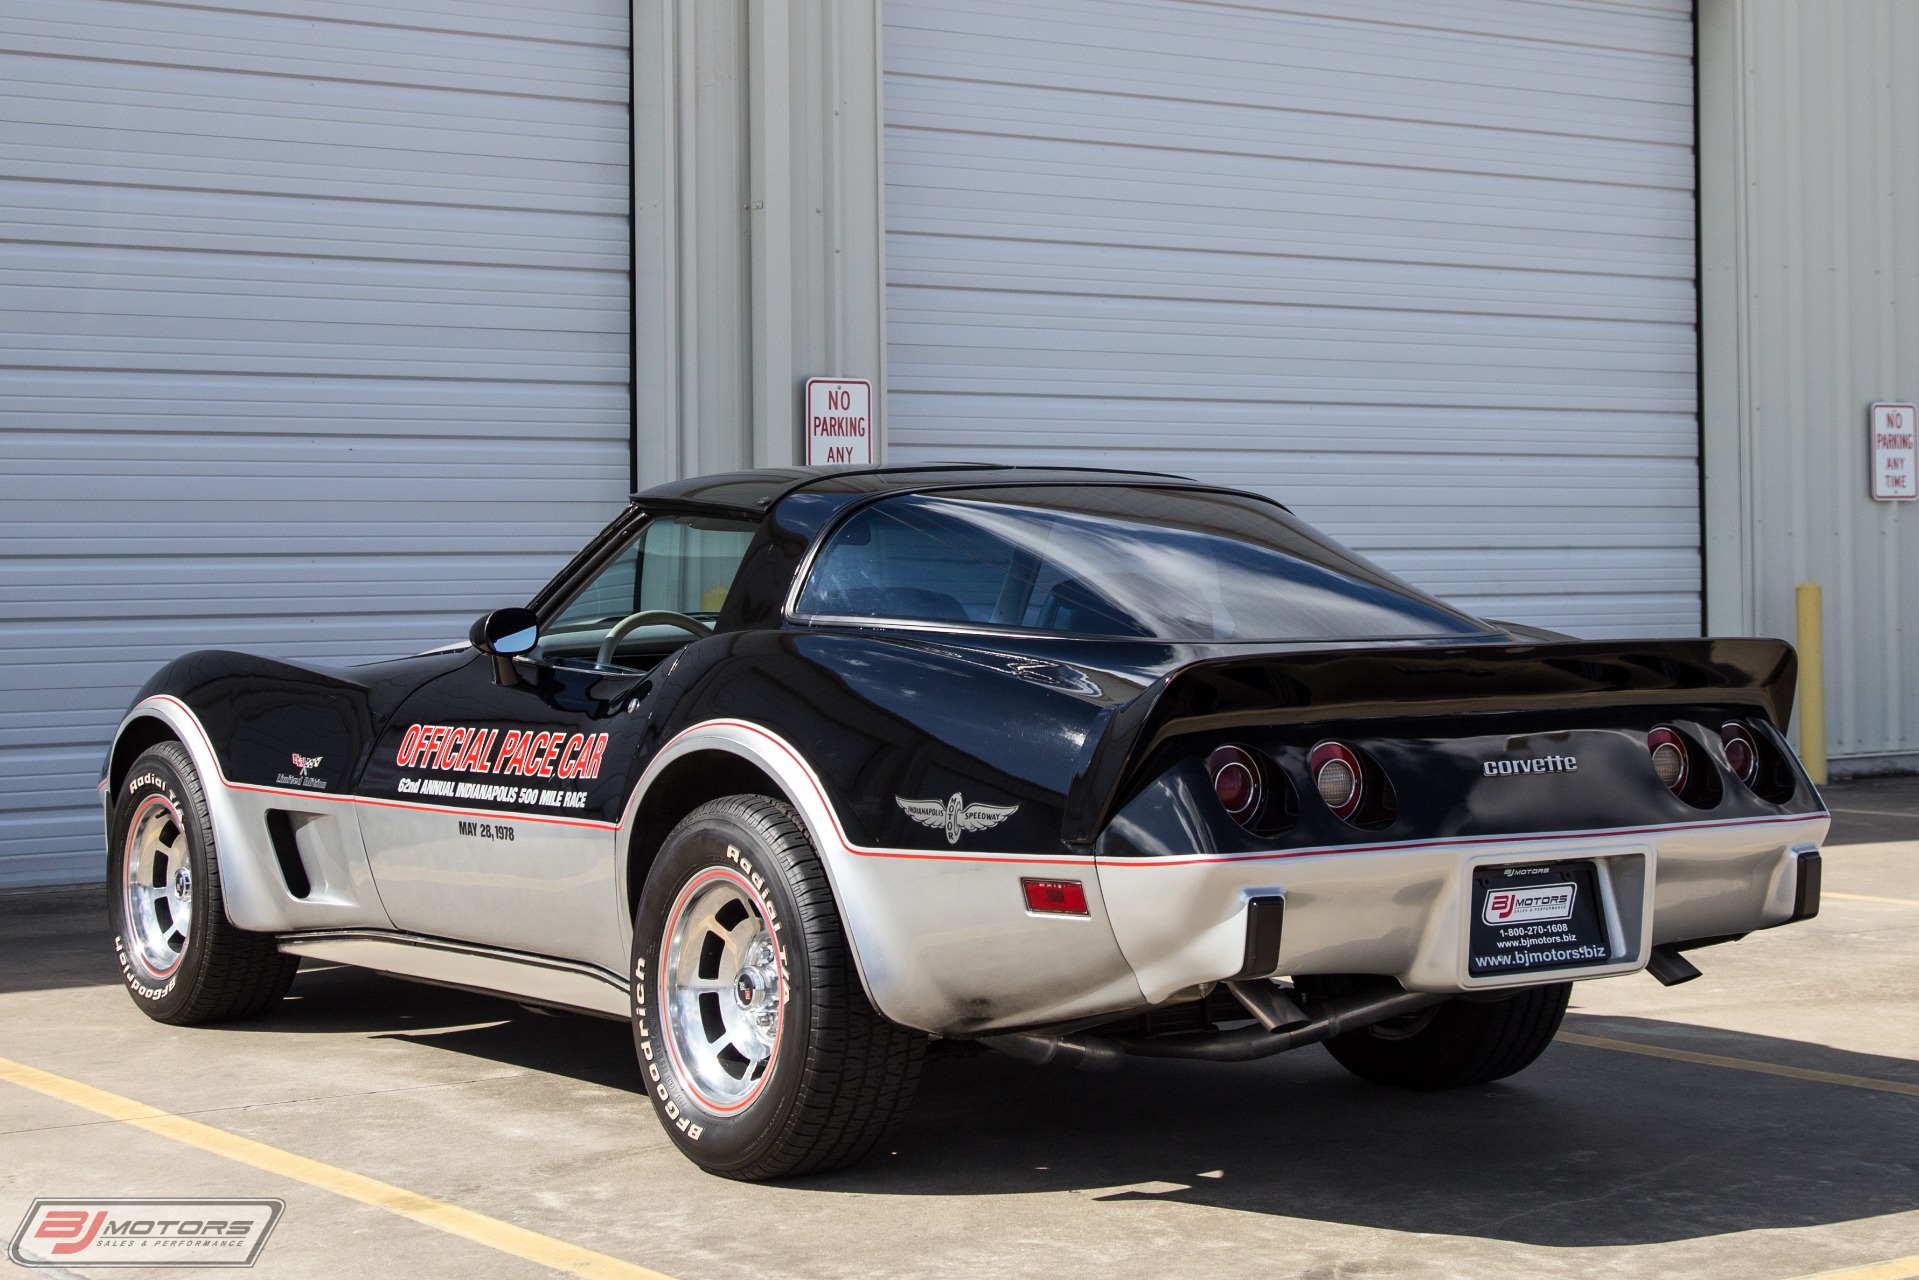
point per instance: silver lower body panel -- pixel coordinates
(1404, 911)
(541, 980)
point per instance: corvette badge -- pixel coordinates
(1537, 764)
(304, 778)
(954, 815)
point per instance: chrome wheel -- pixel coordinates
(159, 888)
(721, 990)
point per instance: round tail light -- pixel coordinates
(1669, 758)
(1742, 751)
(1337, 775)
(1236, 783)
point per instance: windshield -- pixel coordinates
(1113, 561)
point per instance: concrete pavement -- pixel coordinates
(1597, 1162)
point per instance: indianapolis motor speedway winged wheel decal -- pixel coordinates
(955, 816)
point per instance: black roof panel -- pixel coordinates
(746, 490)
(756, 490)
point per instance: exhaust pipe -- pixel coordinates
(1333, 1018)
(1325, 1020)
(1082, 1053)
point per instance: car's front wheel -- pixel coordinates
(182, 960)
(1458, 1043)
(761, 1052)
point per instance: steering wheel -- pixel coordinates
(647, 618)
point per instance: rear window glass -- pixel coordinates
(1112, 561)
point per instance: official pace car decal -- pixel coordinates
(955, 815)
(516, 753)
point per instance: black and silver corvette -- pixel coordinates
(794, 768)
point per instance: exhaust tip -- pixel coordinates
(1669, 967)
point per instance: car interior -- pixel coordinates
(661, 591)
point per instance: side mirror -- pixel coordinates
(502, 634)
(505, 632)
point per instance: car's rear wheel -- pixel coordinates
(762, 1054)
(182, 961)
(1458, 1043)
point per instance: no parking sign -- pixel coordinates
(1894, 455)
(839, 422)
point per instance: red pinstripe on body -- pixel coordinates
(1446, 842)
(516, 814)
(865, 851)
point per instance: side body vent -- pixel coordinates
(287, 853)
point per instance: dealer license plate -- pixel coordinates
(1539, 917)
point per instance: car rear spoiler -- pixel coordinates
(1382, 683)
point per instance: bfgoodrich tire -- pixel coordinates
(762, 1054)
(1458, 1043)
(182, 961)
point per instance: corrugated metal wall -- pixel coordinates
(756, 223)
(1812, 314)
(313, 341)
(1425, 272)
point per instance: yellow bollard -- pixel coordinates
(1812, 682)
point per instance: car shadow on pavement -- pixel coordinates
(1590, 1147)
(329, 999)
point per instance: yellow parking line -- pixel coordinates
(1897, 1269)
(1867, 897)
(468, 1225)
(1741, 1064)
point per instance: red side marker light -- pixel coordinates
(1056, 897)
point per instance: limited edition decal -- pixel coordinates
(304, 778)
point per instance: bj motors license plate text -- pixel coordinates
(1524, 905)
(144, 1233)
(1539, 917)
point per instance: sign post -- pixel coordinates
(1894, 457)
(839, 422)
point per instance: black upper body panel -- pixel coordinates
(258, 712)
(1100, 743)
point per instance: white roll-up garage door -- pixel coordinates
(314, 343)
(1424, 272)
